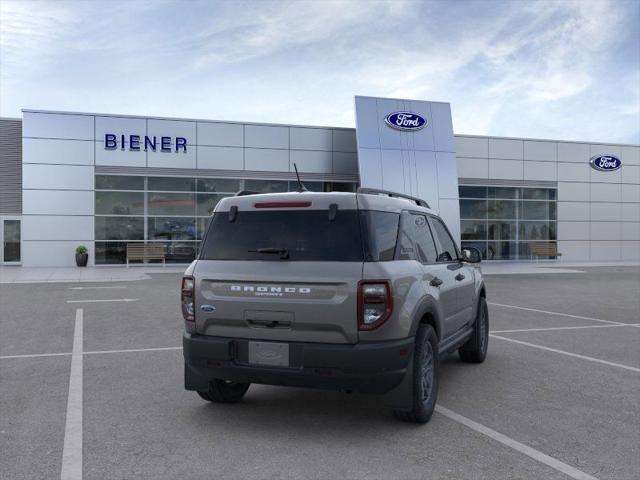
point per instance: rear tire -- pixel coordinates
(425, 378)
(221, 391)
(475, 350)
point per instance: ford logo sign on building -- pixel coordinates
(605, 163)
(405, 121)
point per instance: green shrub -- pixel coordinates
(81, 250)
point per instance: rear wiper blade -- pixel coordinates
(283, 252)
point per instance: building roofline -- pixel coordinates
(546, 140)
(180, 119)
(403, 99)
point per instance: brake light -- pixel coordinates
(282, 204)
(375, 303)
(187, 298)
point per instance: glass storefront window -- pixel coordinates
(472, 192)
(119, 228)
(171, 204)
(172, 211)
(473, 229)
(178, 184)
(501, 231)
(206, 203)
(503, 222)
(266, 186)
(538, 194)
(230, 185)
(502, 192)
(501, 209)
(119, 203)
(201, 226)
(119, 182)
(168, 228)
(473, 208)
(538, 210)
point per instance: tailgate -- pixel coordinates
(281, 301)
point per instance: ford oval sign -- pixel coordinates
(405, 121)
(605, 163)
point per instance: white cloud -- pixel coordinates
(499, 64)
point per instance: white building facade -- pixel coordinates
(105, 181)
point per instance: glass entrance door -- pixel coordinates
(10, 234)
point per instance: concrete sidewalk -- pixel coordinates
(549, 266)
(11, 274)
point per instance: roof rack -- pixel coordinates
(376, 191)
(242, 193)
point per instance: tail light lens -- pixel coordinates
(187, 298)
(375, 303)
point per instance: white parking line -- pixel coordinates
(158, 349)
(548, 329)
(94, 352)
(94, 288)
(72, 449)
(515, 445)
(105, 300)
(575, 355)
(34, 355)
(555, 313)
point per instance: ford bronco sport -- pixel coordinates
(358, 292)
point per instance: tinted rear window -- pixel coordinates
(307, 236)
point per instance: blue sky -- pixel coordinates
(544, 69)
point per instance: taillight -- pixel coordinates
(187, 298)
(375, 303)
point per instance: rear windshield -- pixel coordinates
(309, 235)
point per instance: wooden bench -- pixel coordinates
(545, 249)
(142, 252)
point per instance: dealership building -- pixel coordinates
(110, 181)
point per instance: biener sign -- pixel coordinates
(139, 142)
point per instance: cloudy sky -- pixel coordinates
(545, 69)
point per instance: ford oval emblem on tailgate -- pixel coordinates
(207, 308)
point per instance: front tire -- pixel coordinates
(425, 378)
(475, 350)
(222, 391)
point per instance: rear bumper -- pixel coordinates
(375, 367)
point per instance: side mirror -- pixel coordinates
(471, 255)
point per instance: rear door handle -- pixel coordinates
(459, 277)
(435, 282)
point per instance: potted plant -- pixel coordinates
(82, 256)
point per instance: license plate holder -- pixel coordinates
(269, 353)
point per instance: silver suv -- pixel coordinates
(357, 292)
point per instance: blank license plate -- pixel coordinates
(268, 353)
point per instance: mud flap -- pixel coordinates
(401, 397)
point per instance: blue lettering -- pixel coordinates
(165, 144)
(110, 141)
(134, 142)
(181, 142)
(149, 143)
(122, 144)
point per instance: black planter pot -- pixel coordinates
(82, 259)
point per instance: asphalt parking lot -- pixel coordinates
(558, 396)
